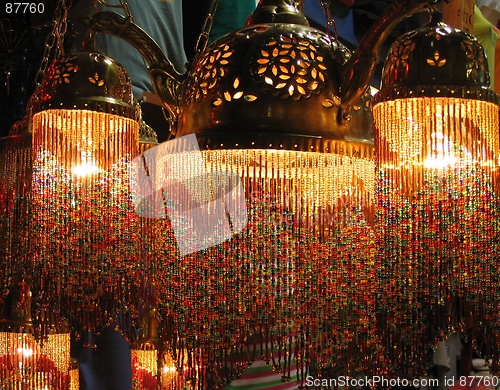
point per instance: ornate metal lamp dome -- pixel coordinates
(273, 85)
(87, 81)
(435, 88)
(436, 60)
(86, 101)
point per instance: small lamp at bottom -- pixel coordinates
(25, 360)
(146, 361)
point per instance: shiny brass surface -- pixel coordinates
(275, 84)
(167, 82)
(16, 316)
(149, 331)
(278, 11)
(87, 81)
(436, 61)
(147, 137)
(358, 71)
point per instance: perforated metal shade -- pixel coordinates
(87, 81)
(436, 61)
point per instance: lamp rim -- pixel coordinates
(104, 105)
(482, 93)
(356, 147)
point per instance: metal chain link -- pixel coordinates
(63, 28)
(123, 4)
(54, 47)
(54, 44)
(330, 22)
(202, 42)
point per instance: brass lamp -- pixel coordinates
(435, 106)
(85, 132)
(144, 353)
(26, 361)
(437, 147)
(286, 107)
(74, 375)
(85, 115)
(149, 369)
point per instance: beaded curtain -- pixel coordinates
(299, 280)
(85, 234)
(297, 284)
(32, 358)
(15, 189)
(438, 226)
(27, 363)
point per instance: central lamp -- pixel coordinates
(287, 108)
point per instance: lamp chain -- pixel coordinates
(202, 41)
(54, 47)
(329, 19)
(123, 4)
(54, 44)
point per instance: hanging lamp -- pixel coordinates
(63, 161)
(85, 116)
(228, 297)
(74, 375)
(85, 132)
(144, 353)
(152, 366)
(437, 147)
(286, 107)
(27, 361)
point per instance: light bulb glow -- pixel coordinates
(85, 142)
(85, 169)
(26, 352)
(169, 369)
(418, 137)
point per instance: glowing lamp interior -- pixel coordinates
(85, 142)
(426, 140)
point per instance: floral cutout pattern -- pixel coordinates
(288, 66)
(436, 60)
(96, 80)
(291, 67)
(209, 72)
(403, 59)
(63, 70)
(234, 93)
(475, 54)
